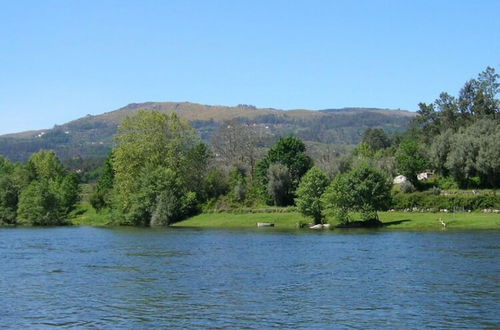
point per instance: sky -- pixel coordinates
(63, 59)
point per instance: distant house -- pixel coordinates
(400, 179)
(424, 175)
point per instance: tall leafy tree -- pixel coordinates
(44, 165)
(155, 158)
(279, 184)
(410, 159)
(363, 189)
(311, 188)
(101, 198)
(9, 193)
(51, 192)
(290, 152)
(376, 139)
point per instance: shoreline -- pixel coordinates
(405, 221)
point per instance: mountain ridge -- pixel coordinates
(92, 135)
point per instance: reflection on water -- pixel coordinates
(133, 278)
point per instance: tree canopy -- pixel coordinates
(311, 188)
(289, 152)
(364, 189)
(158, 162)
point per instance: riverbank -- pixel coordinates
(391, 220)
(85, 215)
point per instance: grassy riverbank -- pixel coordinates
(85, 215)
(392, 220)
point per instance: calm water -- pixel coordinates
(140, 278)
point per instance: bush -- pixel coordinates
(446, 183)
(407, 187)
(429, 200)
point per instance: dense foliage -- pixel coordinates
(309, 193)
(290, 152)
(461, 134)
(158, 165)
(40, 192)
(160, 171)
(364, 189)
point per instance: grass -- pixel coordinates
(429, 221)
(392, 220)
(86, 215)
(246, 220)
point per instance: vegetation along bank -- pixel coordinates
(160, 172)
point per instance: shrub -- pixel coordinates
(429, 200)
(407, 187)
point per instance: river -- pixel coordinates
(185, 278)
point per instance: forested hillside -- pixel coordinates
(91, 137)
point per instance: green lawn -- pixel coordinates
(392, 220)
(246, 220)
(86, 215)
(429, 221)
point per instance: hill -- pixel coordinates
(92, 136)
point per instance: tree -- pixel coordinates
(8, 193)
(279, 184)
(363, 189)
(236, 145)
(39, 205)
(376, 139)
(475, 151)
(410, 160)
(216, 184)
(101, 198)
(44, 165)
(67, 191)
(311, 188)
(48, 192)
(157, 161)
(290, 152)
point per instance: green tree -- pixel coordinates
(101, 197)
(410, 160)
(475, 151)
(290, 152)
(157, 161)
(47, 192)
(279, 184)
(8, 193)
(363, 189)
(311, 188)
(39, 205)
(44, 165)
(216, 184)
(68, 192)
(376, 139)
(238, 185)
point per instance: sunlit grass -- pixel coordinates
(86, 215)
(392, 220)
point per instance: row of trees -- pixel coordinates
(160, 172)
(39, 192)
(458, 138)
(461, 134)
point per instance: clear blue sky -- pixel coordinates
(60, 60)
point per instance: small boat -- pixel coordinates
(265, 224)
